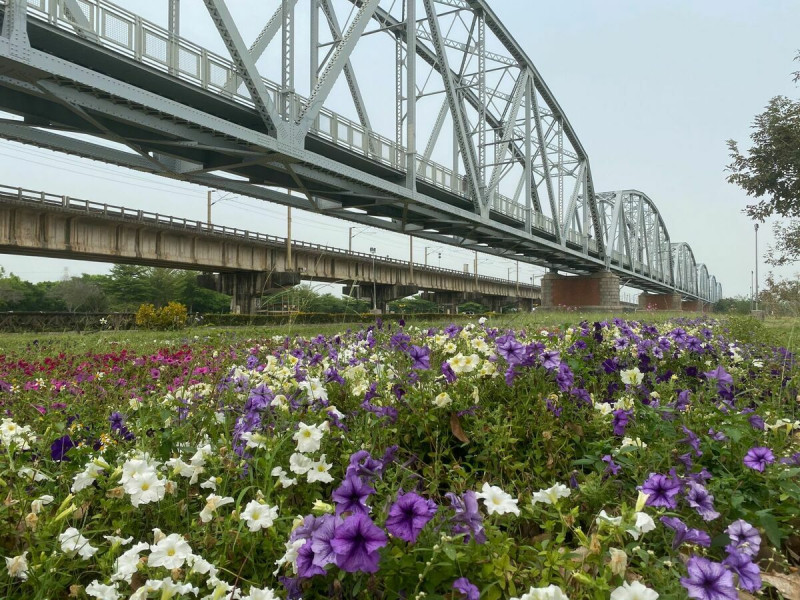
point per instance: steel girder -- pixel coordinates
(290, 149)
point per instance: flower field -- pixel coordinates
(614, 459)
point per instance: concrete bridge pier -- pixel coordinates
(597, 291)
(384, 293)
(660, 301)
(695, 306)
(246, 288)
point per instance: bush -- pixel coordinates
(171, 316)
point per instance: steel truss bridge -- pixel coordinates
(453, 135)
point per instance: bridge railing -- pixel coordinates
(90, 207)
(126, 32)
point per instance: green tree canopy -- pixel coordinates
(770, 173)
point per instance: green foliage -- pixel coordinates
(734, 306)
(475, 308)
(171, 316)
(770, 172)
(303, 298)
(413, 305)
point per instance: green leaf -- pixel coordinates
(771, 527)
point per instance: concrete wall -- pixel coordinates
(660, 301)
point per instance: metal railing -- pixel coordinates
(127, 33)
(39, 198)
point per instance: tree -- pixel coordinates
(414, 305)
(781, 296)
(80, 293)
(770, 172)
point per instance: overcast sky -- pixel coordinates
(653, 90)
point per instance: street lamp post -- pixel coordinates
(372, 251)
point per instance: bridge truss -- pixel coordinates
(476, 152)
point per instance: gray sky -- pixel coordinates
(653, 90)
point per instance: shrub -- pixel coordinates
(171, 316)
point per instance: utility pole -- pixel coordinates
(209, 209)
(350, 241)
(517, 278)
(411, 256)
(756, 226)
(289, 238)
(476, 270)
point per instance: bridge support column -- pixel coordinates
(694, 306)
(246, 288)
(384, 293)
(598, 291)
(660, 301)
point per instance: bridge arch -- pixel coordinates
(635, 235)
(685, 268)
(703, 282)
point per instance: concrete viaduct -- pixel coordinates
(250, 265)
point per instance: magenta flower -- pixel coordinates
(758, 458)
(409, 515)
(661, 490)
(356, 543)
(709, 580)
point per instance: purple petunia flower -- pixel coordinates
(420, 357)
(351, 496)
(468, 589)
(321, 540)
(611, 467)
(720, 374)
(510, 349)
(661, 490)
(468, 518)
(356, 542)
(709, 580)
(699, 499)
(550, 359)
(684, 534)
(409, 515)
(748, 572)
(620, 420)
(758, 458)
(306, 567)
(448, 372)
(744, 538)
(60, 447)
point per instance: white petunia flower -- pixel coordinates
(115, 539)
(603, 517)
(634, 591)
(12, 433)
(644, 523)
(497, 501)
(254, 439)
(632, 376)
(260, 594)
(442, 400)
(33, 474)
(259, 516)
(125, 565)
(300, 463)
(551, 592)
(283, 480)
(290, 556)
(89, 475)
(551, 495)
(308, 437)
(145, 488)
(213, 502)
(319, 471)
(170, 552)
(36, 505)
(210, 484)
(101, 591)
(72, 542)
(17, 566)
